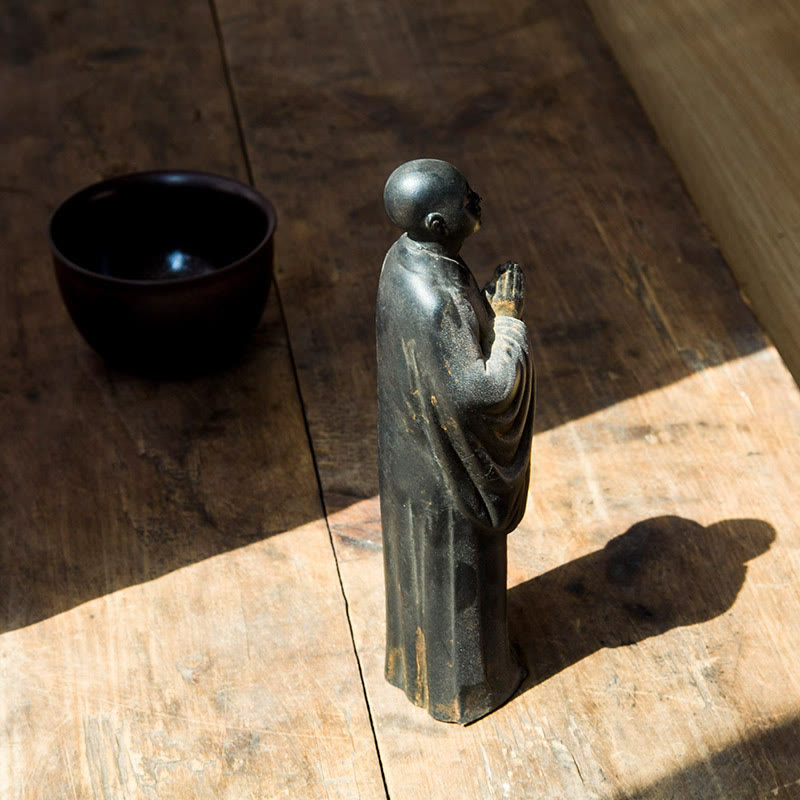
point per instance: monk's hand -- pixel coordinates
(506, 291)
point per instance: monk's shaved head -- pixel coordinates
(432, 200)
(417, 188)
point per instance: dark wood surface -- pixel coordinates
(172, 619)
(191, 571)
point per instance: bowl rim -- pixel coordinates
(189, 177)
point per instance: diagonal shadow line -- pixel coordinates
(662, 573)
(763, 765)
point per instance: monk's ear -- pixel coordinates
(435, 224)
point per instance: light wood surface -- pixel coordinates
(189, 612)
(721, 83)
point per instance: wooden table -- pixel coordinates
(192, 589)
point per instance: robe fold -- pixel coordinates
(455, 417)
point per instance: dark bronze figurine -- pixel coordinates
(455, 419)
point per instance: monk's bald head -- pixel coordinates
(431, 200)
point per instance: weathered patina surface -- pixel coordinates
(455, 418)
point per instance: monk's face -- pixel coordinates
(472, 207)
(462, 213)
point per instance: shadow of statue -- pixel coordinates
(662, 573)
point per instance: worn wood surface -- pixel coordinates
(171, 623)
(654, 579)
(173, 618)
(721, 82)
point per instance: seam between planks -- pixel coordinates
(249, 170)
(226, 70)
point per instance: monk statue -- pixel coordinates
(455, 419)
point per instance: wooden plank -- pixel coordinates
(172, 619)
(720, 82)
(659, 660)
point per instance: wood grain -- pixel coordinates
(721, 83)
(655, 575)
(172, 623)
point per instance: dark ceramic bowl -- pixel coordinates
(165, 272)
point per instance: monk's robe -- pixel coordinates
(455, 416)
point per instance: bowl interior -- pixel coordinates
(158, 227)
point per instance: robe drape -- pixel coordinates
(455, 417)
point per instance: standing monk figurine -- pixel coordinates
(455, 419)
